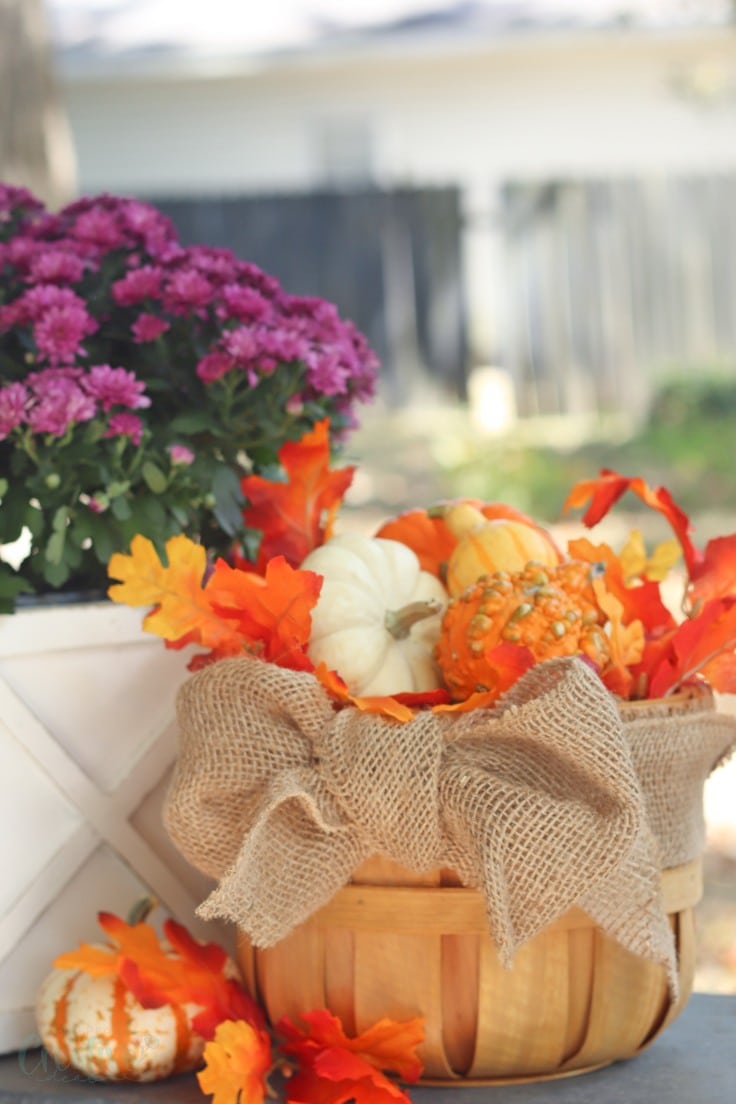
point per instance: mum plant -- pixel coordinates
(141, 380)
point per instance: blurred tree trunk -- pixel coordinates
(36, 148)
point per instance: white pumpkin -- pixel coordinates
(378, 615)
(95, 1025)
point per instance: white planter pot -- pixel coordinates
(87, 742)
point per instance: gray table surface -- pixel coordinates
(693, 1062)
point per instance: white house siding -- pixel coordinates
(477, 115)
(531, 108)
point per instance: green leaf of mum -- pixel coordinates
(154, 477)
(55, 546)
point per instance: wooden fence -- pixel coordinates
(614, 285)
(610, 285)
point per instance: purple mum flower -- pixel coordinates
(125, 425)
(115, 387)
(147, 327)
(137, 285)
(60, 404)
(13, 400)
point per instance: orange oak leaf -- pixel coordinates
(601, 494)
(272, 612)
(183, 612)
(237, 1062)
(336, 1067)
(296, 516)
(702, 645)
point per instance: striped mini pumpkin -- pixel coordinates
(96, 1026)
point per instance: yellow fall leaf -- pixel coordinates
(177, 591)
(635, 563)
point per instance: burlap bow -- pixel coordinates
(536, 803)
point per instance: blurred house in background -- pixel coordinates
(542, 186)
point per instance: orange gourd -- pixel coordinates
(550, 611)
(485, 546)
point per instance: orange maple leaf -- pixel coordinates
(297, 515)
(602, 493)
(271, 612)
(237, 1062)
(336, 1067)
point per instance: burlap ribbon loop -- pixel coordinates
(537, 803)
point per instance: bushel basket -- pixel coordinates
(555, 932)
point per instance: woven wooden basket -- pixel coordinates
(396, 944)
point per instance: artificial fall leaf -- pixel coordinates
(715, 576)
(237, 1062)
(183, 612)
(702, 645)
(386, 1046)
(197, 975)
(297, 515)
(398, 707)
(504, 665)
(626, 641)
(636, 564)
(337, 1077)
(641, 602)
(272, 613)
(187, 972)
(138, 941)
(602, 493)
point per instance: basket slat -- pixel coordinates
(523, 1012)
(460, 999)
(629, 997)
(340, 976)
(290, 976)
(580, 961)
(400, 976)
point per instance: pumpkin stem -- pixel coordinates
(141, 910)
(401, 621)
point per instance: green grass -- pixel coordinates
(688, 445)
